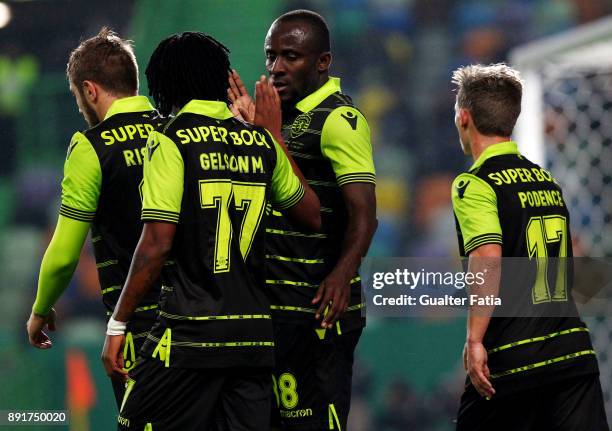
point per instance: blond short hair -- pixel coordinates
(492, 93)
(107, 60)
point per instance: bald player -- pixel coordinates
(312, 279)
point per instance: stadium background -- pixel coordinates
(395, 58)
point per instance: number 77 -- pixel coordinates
(247, 197)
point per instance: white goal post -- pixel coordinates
(566, 127)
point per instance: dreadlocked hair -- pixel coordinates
(186, 66)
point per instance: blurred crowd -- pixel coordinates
(395, 58)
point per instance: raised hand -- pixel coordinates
(242, 105)
(268, 108)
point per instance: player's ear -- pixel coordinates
(324, 62)
(90, 91)
(464, 118)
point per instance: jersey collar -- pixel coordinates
(313, 100)
(129, 104)
(500, 149)
(209, 108)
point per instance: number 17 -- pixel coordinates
(542, 231)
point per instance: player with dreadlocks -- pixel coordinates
(170, 82)
(208, 178)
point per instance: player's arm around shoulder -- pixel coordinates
(80, 192)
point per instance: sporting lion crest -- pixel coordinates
(300, 124)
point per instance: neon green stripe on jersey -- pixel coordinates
(212, 345)
(537, 339)
(146, 308)
(301, 283)
(292, 308)
(107, 263)
(293, 233)
(221, 317)
(111, 289)
(293, 259)
(323, 210)
(138, 310)
(345, 142)
(310, 310)
(543, 363)
(475, 206)
(291, 283)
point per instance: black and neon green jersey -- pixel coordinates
(506, 199)
(101, 185)
(329, 140)
(213, 176)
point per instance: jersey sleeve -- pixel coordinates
(162, 191)
(287, 190)
(475, 206)
(345, 141)
(59, 262)
(82, 180)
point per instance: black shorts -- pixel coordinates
(312, 378)
(133, 343)
(160, 399)
(575, 404)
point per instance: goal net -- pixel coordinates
(566, 126)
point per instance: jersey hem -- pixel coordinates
(487, 238)
(150, 214)
(292, 200)
(357, 177)
(76, 214)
